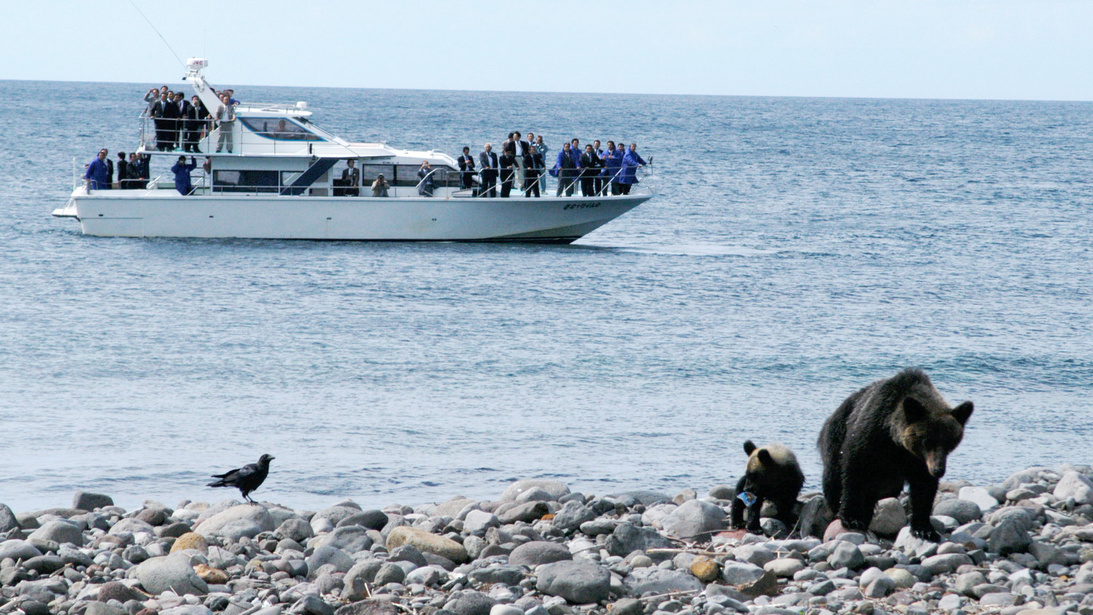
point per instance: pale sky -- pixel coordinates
(992, 49)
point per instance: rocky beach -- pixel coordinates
(1023, 547)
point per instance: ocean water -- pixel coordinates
(797, 250)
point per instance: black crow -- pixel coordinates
(246, 478)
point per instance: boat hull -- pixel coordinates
(547, 220)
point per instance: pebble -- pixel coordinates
(541, 549)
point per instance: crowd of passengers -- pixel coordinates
(183, 124)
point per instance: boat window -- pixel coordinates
(369, 172)
(280, 129)
(245, 181)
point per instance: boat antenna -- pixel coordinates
(157, 32)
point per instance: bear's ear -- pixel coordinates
(913, 411)
(749, 446)
(962, 412)
(764, 457)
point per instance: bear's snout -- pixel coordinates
(935, 463)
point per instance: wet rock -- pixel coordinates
(60, 532)
(1074, 485)
(572, 515)
(979, 496)
(628, 538)
(888, 518)
(17, 549)
(694, 518)
(84, 500)
(577, 582)
(555, 488)
(538, 552)
(427, 542)
(964, 511)
(171, 572)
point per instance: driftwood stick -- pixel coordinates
(686, 550)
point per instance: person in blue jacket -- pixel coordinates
(182, 175)
(612, 165)
(630, 163)
(97, 174)
(565, 169)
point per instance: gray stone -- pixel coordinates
(846, 555)
(102, 608)
(478, 521)
(84, 500)
(8, 520)
(645, 498)
(527, 512)
(967, 582)
(694, 518)
(426, 575)
(190, 609)
(879, 587)
(535, 494)
(1008, 537)
(755, 553)
(214, 524)
(311, 605)
(740, 573)
(116, 590)
(171, 572)
(950, 602)
(946, 563)
(372, 606)
(295, 529)
(888, 517)
(660, 581)
(337, 512)
(571, 516)
(506, 609)
(389, 573)
(998, 599)
(505, 575)
(628, 538)
(577, 582)
(371, 519)
(964, 511)
(60, 532)
(323, 555)
(235, 529)
(980, 496)
(408, 553)
(470, 603)
(17, 549)
(555, 488)
(784, 567)
(348, 538)
(355, 583)
(44, 564)
(539, 552)
(1074, 485)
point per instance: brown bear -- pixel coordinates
(772, 474)
(892, 432)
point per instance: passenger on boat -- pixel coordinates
(488, 160)
(426, 183)
(565, 170)
(521, 148)
(507, 163)
(533, 168)
(380, 186)
(225, 117)
(351, 177)
(132, 173)
(590, 168)
(123, 171)
(612, 164)
(182, 175)
(466, 169)
(599, 176)
(95, 177)
(172, 113)
(160, 123)
(193, 125)
(150, 99)
(630, 163)
(541, 149)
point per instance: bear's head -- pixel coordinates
(932, 432)
(768, 466)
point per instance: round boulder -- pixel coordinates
(694, 518)
(577, 582)
(539, 552)
(426, 542)
(169, 572)
(555, 488)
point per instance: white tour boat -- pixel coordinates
(279, 183)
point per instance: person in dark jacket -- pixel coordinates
(612, 165)
(590, 168)
(466, 169)
(182, 175)
(533, 167)
(630, 163)
(566, 171)
(488, 166)
(427, 182)
(507, 164)
(123, 171)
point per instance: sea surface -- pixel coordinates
(798, 249)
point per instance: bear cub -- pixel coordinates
(894, 431)
(772, 474)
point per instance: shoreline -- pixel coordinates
(1024, 546)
